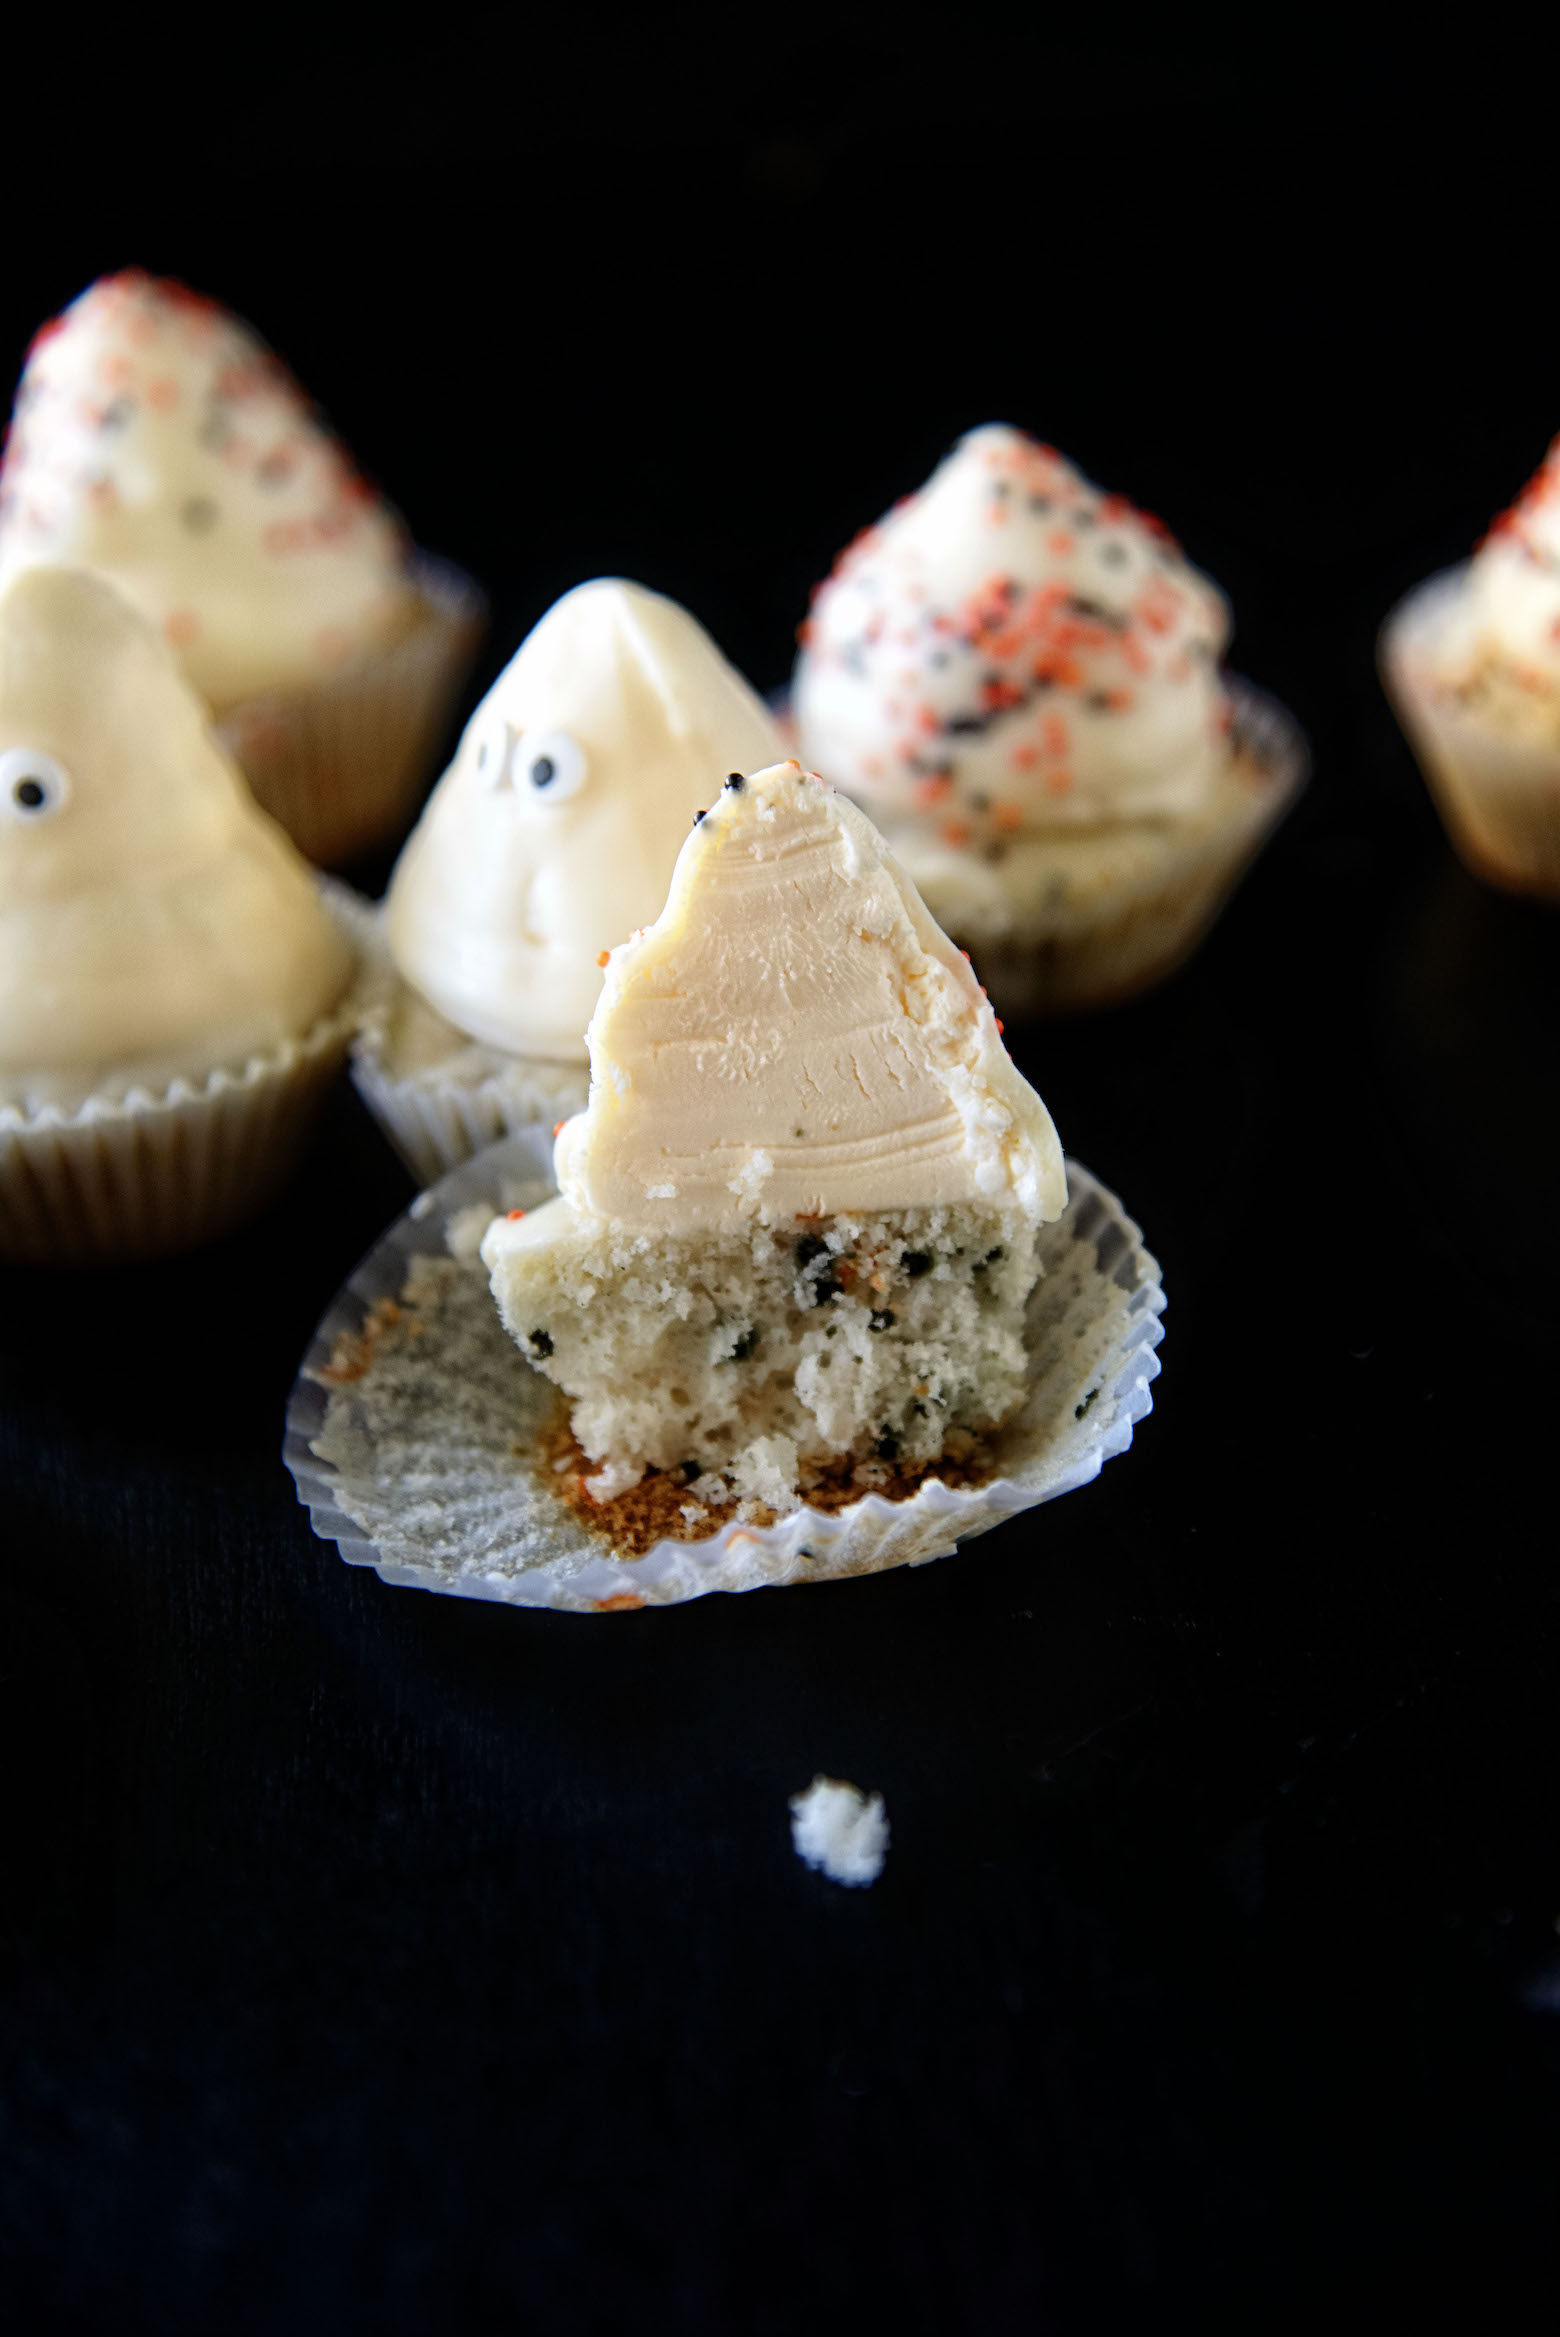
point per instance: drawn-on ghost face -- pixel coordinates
(553, 834)
(151, 916)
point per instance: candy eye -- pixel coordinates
(550, 764)
(493, 755)
(33, 786)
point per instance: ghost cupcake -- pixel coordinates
(1019, 677)
(1471, 661)
(797, 1225)
(550, 838)
(174, 994)
(157, 441)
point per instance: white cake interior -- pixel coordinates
(756, 1357)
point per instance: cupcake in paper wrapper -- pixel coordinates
(1484, 721)
(551, 836)
(812, 1297)
(176, 986)
(1018, 677)
(159, 442)
(423, 1444)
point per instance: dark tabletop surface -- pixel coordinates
(371, 1961)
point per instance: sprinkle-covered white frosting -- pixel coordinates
(794, 1036)
(158, 441)
(1012, 650)
(554, 832)
(154, 922)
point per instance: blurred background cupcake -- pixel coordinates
(1471, 662)
(159, 442)
(175, 992)
(1019, 676)
(550, 838)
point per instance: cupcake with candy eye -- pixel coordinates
(1019, 677)
(175, 992)
(158, 441)
(1471, 661)
(551, 837)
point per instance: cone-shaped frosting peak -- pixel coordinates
(159, 442)
(150, 913)
(795, 1035)
(554, 831)
(1011, 650)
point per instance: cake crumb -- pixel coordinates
(663, 1505)
(842, 1832)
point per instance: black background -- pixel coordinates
(377, 1962)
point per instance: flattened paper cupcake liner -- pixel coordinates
(1498, 797)
(341, 764)
(439, 1096)
(417, 1433)
(145, 1174)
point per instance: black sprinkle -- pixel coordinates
(965, 725)
(811, 1245)
(736, 782)
(543, 771)
(882, 1319)
(698, 815)
(745, 1345)
(1080, 1409)
(1039, 502)
(29, 793)
(888, 1446)
(541, 1342)
(980, 803)
(690, 1470)
(199, 515)
(916, 1263)
(1114, 555)
(1099, 700)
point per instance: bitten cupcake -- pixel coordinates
(174, 994)
(551, 837)
(1019, 676)
(159, 442)
(1471, 661)
(797, 1224)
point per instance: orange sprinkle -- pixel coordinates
(622, 1602)
(558, 1126)
(955, 833)
(1008, 816)
(514, 1214)
(181, 626)
(997, 1019)
(1060, 543)
(935, 788)
(1023, 756)
(163, 395)
(602, 956)
(1058, 782)
(1053, 735)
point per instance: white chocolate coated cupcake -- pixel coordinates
(173, 990)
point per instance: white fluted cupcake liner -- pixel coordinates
(342, 763)
(120, 1178)
(1498, 796)
(417, 1434)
